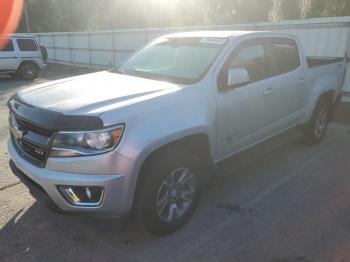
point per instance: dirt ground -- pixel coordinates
(280, 202)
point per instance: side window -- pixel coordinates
(285, 56)
(27, 45)
(8, 47)
(253, 59)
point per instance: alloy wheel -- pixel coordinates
(176, 195)
(320, 123)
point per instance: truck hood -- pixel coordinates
(91, 93)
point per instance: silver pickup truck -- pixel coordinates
(145, 136)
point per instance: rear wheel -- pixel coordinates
(170, 191)
(316, 128)
(29, 71)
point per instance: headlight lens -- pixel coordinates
(68, 144)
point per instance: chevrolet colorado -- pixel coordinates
(144, 136)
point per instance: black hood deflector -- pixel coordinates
(51, 120)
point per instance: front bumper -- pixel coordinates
(118, 182)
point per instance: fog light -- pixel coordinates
(82, 195)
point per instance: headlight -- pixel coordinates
(69, 144)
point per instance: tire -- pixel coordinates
(162, 206)
(28, 71)
(44, 53)
(315, 130)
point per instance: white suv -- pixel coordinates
(22, 56)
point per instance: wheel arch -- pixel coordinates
(327, 95)
(198, 144)
(28, 62)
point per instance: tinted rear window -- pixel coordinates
(8, 47)
(26, 45)
(285, 56)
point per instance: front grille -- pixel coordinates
(34, 141)
(28, 126)
(33, 150)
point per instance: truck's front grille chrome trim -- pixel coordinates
(33, 147)
(33, 150)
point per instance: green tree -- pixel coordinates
(83, 15)
(289, 9)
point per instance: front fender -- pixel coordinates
(144, 137)
(154, 124)
(140, 144)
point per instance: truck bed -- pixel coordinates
(317, 61)
(327, 71)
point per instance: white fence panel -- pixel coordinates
(79, 41)
(80, 57)
(346, 86)
(129, 40)
(102, 58)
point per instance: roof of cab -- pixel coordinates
(225, 34)
(216, 34)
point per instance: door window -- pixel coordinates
(8, 47)
(27, 45)
(285, 56)
(253, 59)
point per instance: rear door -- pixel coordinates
(8, 57)
(287, 97)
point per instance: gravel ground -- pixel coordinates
(289, 202)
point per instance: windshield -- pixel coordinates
(178, 60)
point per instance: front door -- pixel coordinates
(242, 112)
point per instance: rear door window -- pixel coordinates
(27, 45)
(284, 56)
(8, 47)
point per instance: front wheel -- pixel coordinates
(170, 191)
(316, 128)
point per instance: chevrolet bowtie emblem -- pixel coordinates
(16, 132)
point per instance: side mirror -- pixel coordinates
(237, 77)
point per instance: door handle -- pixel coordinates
(268, 90)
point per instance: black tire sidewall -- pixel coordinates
(310, 133)
(24, 69)
(44, 53)
(159, 168)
